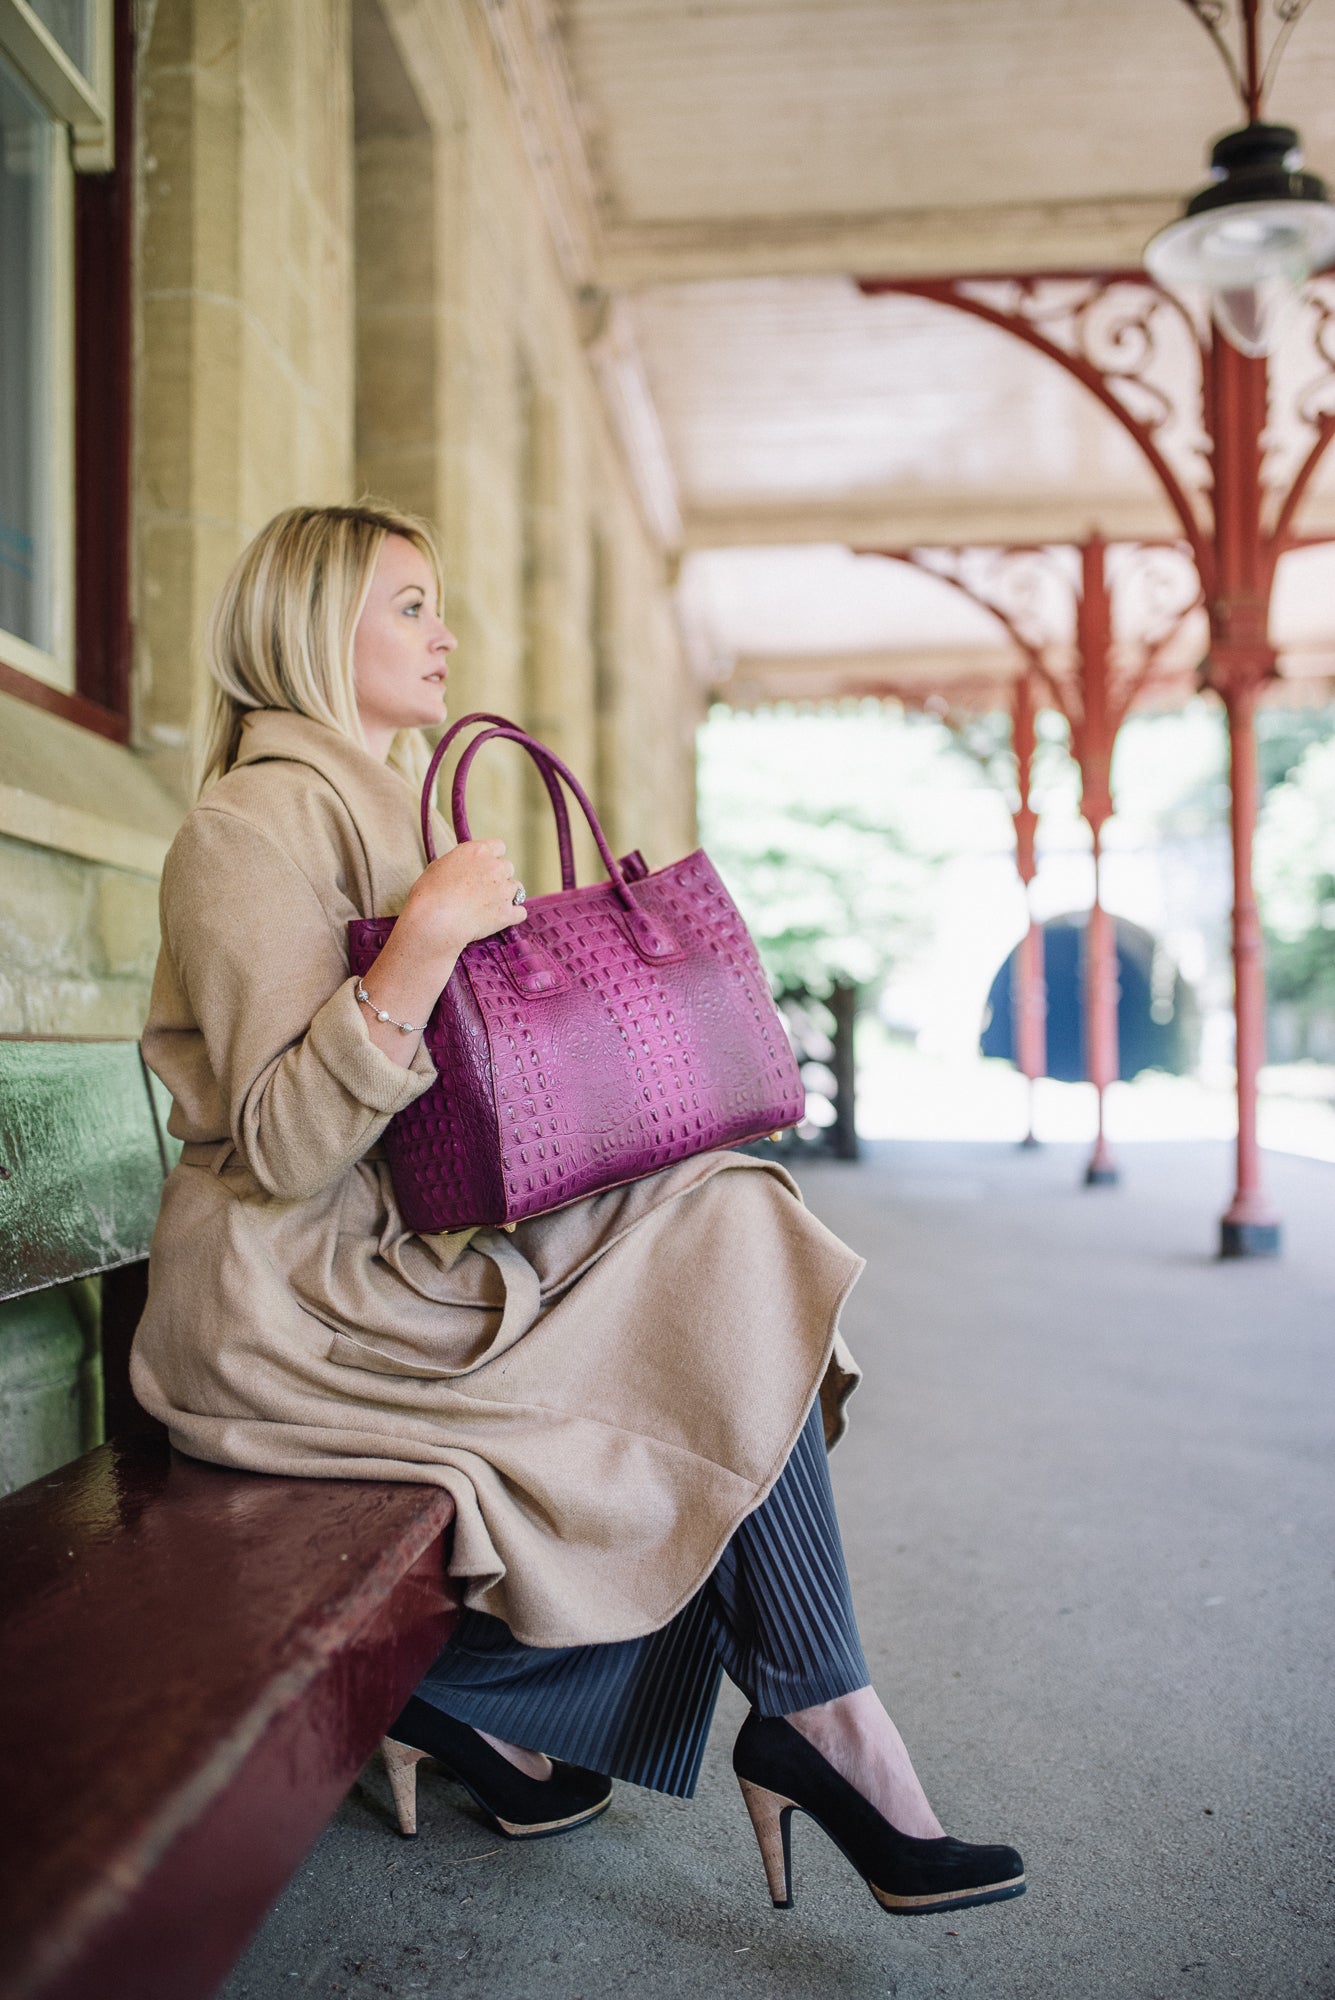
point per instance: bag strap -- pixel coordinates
(651, 938)
(549, 778)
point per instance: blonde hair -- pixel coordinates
(281, 629)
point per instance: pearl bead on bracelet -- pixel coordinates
(404, 1027)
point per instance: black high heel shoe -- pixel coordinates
(780, 1773)
(520, 1807)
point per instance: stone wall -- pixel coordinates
(345, 285)
(78, 941)
(50, 1381)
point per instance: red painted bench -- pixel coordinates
(196, 1663)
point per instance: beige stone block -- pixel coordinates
(217, 328)
(191, 183)
(403, 476)
(321, 458)
(270, 62)
(396, 379)
(327, 455)
(270, 475)
(123, 1006)
(44, 906)
(167, 37)
(166, 417)
(50, 822)
(474, 682)
(38, 754)
(206, 32)
(13, 1020)
(188, 416)
(62, 1006)
(217, 140)
(332, 250)
(332, 370)
(267, 278)
(181, 564)
(127, 923)
(167, 223)
(77, 1007)
(325, 71)
(303, 299)
(396, 220)
(165, 624)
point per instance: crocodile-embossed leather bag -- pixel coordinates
(626, 1025)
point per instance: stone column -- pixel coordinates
(244, 390)
(558, 670)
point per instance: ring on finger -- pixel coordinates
(519, 896)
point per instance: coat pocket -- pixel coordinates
(350, 1353)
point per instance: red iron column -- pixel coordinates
(1093, 736)
(1240, 663)
(1029, 1000)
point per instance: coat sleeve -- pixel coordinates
(261, 958)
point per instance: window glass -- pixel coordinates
(69, 22)
(27, 525)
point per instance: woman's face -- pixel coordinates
(401, 648)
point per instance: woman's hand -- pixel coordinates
(464, 895)
(461, 896)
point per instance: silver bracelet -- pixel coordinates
(404, 1027)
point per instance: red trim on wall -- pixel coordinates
(103, 290)
(70, 707)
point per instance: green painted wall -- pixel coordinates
(50, 1380)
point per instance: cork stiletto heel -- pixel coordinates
(401, 1762)
(772, 1818)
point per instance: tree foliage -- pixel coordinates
(1295, 876)
(829, 830)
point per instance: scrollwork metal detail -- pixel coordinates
(1034, 593)
(1294, 448)
(1250, 77)
(1134, 347)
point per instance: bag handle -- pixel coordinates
(549, 778)
(651, 938)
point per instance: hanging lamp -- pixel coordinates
(1260, 229)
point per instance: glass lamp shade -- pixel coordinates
(1252, 238)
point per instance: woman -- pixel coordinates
(624, 1397)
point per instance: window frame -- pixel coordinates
(85, 103)
(93, 298)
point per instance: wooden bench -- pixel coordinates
(196, 1662)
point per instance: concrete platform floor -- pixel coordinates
(1089, 1504)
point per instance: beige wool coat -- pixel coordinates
(605, 1392)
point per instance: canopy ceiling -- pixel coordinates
(717, 176)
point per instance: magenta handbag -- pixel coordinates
(624, 1026)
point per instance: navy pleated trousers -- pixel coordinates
(775, 1615)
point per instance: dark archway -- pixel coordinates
(1158, 1021)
